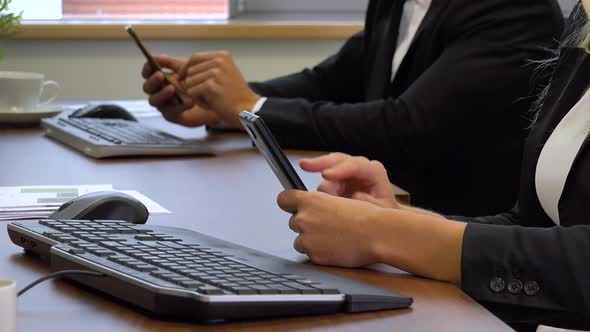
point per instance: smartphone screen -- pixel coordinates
(155, 65)
(272, 152)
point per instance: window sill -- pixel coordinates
(245, 27)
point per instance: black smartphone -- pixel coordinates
(150, 58)
(272, 152)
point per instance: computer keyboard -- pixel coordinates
(119, 131)
(102, 137)
(179, 273)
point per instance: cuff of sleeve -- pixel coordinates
(477, 267)
(515, 273)
(258, 105)
(460, 218)
(488, 263)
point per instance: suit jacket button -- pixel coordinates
(515, 286)
(531, 288)
(497, 285)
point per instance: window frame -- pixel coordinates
(276, 22)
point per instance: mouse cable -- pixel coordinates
(58, 274)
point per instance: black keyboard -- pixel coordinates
(101, 137)
(119, 131)
(178, 273)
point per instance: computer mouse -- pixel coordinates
(104, 111)
(103, 205)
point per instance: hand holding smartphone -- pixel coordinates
(155, 65)
(272, 152)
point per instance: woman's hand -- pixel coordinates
(351, 233)
(353, 177)
(333, 230)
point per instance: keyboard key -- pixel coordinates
(145, 237)
(261, 289)
(183, 255)
(242, 290)
(114, 237)
(103, 252)
(197, 275)
(326, 289)
(145, 267)
(283, 289)
(210, 290)
(302, 288)
(192, 284)
(75, 251)
(170, 244)
(292, 276)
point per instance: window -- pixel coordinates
(123, 9)
(325, 6)
(181, 9)
(145, 9)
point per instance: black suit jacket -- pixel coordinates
(520, 264)
(451, 126)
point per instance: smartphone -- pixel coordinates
(272, 152)
(151, 59)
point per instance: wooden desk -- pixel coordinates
(231, 196)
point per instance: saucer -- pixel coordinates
(29, 118)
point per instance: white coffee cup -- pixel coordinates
(24, 91)
(7, 305)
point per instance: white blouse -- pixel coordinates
(558, 154)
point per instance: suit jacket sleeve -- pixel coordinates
(434, 113)
(508, 218)
(527, 274)
(338, 78)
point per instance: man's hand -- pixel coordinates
(353, 177)
(161, 95)
(214, 78)
(334, 230)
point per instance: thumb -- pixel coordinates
(169, 62)
(288, 201)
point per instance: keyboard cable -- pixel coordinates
(59, 274)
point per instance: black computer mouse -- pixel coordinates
(104, 111)
(103, 205)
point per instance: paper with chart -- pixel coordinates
(32, 202)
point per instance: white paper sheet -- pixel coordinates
(36, 196)
(153, 207)
(35, 202)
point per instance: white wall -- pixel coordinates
(111, 69)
